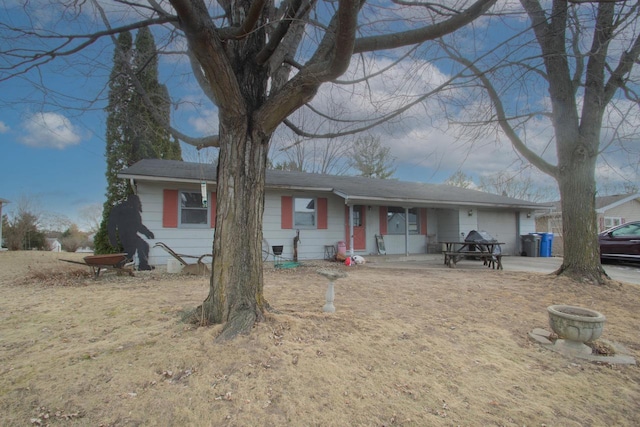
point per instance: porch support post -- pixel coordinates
(351, 230)
(1, 201)
(406, 231)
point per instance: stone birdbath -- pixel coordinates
(575, 326)
(332, 276)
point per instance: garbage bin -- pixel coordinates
(546, 239)
(530, 244)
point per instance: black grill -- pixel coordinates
(479, 237)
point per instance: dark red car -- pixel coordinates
(621, 242)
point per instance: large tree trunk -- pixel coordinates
(579, 223)
(236, 286)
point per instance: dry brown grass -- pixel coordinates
(435, 347)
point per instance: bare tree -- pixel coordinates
(90, 217)
(565, 82)
(258, 61)
(23, 229)
(517, 185)
(312, 156)
(372, 159)
(460, 179)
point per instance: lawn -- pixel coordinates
(406, 347)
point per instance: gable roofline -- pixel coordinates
(615, 201)
(603, 203)
(353, 189)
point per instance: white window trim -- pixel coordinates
(315, 213)
(411, 232)
(613, 221)
(180, 208)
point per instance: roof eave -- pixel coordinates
(298, 188)
(419, 202)
(161, 178)
(618, 203)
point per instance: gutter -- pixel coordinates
(214, 182)
(429, 203)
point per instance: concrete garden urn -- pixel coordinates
(575, 326)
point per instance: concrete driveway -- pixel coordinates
(629, 273)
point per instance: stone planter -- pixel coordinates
(575, 326)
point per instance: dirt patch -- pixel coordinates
(435, 347)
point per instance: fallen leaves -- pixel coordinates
(45, 415)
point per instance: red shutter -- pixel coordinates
(423, 221)
(212, 206)
(322, 213)
(383, 220)
(622, 220)
(601, 223)
(286, 213)
(170, 208)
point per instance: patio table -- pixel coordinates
(489, 252)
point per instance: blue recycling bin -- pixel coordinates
(546, 241)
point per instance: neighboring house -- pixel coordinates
(2, 202)
(54, 244)
(610, 211)
(325, 210)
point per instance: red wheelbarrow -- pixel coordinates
(99, 263)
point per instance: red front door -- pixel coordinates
(359, 236)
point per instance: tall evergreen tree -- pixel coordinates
(150, 137)
(118, 136)
(133, 130)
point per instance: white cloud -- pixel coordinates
(3, 127)
(49, 130)
(206, 123)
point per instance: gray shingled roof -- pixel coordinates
(355, 189)
(605, 201)
(602, 202)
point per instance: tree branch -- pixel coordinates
(208, 141)
(29, 61)
(503, 121)
(431, 32)
(296, 10)
(247, 25)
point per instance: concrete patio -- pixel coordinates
(622, 272)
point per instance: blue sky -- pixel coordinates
(53, 155)
(54, 162)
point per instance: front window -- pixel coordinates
(396, 220)
(611, 222)
(304, 212)
(191, 210)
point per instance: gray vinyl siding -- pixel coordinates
(312, 240)
(193, 241)
(630, 211)
(501, 225)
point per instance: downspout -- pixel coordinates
(351, 230)
(518, 232)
